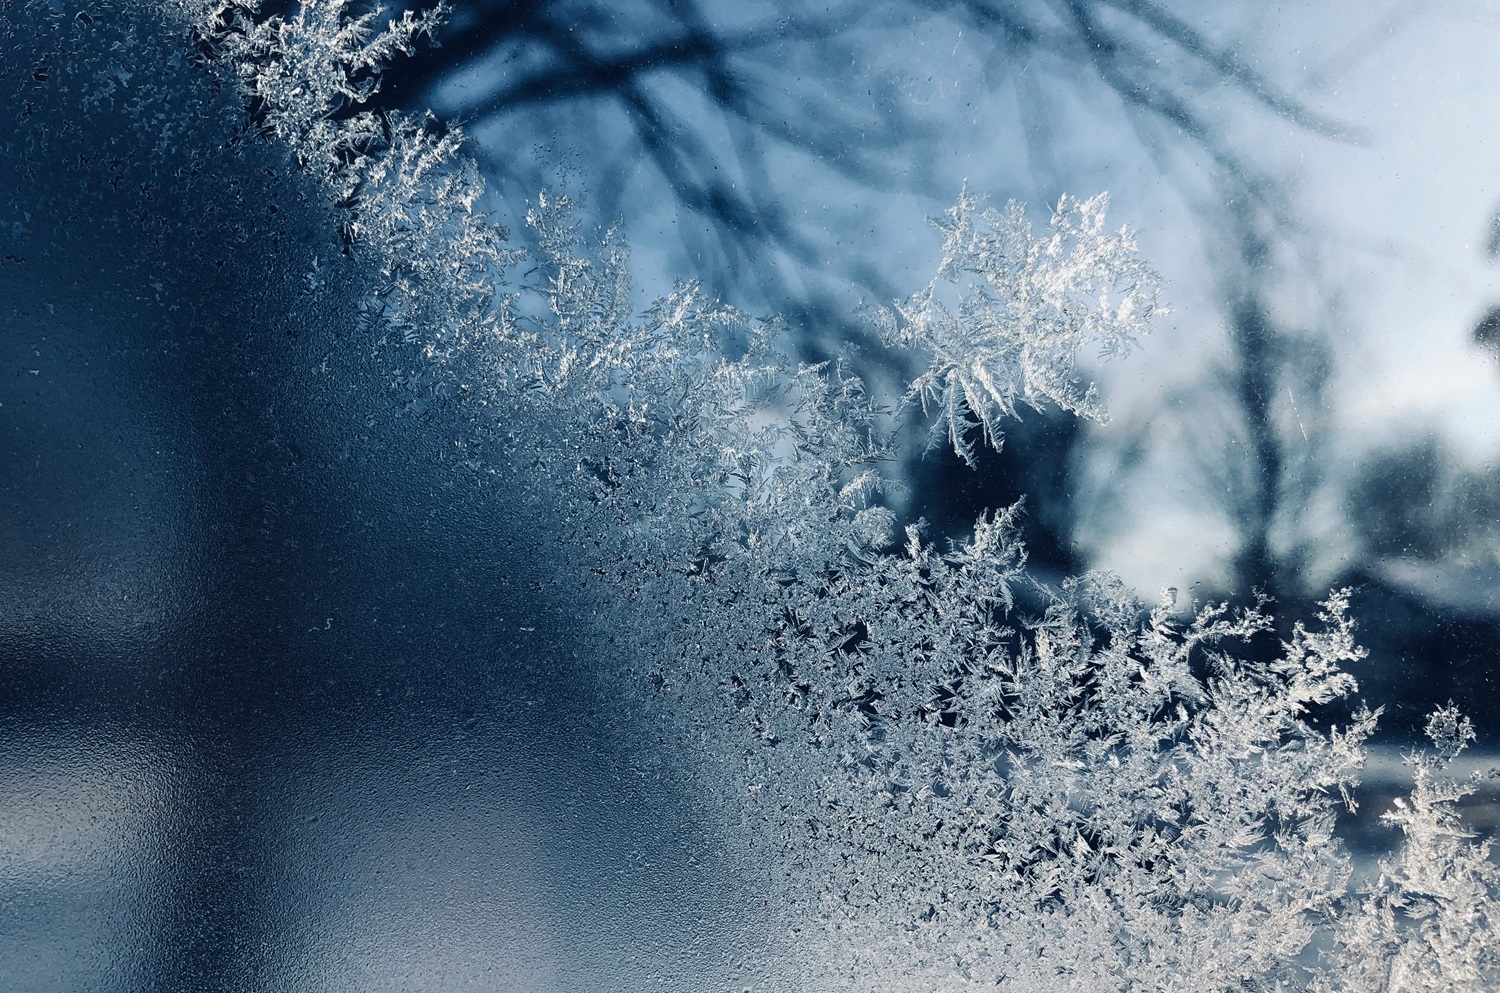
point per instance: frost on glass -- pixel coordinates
(937, 781)
(1017, 331)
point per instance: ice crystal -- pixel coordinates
(1431, 921)
(407, 194)
(1016, 333)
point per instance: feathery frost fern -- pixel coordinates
(943, 788)
(1016, 334)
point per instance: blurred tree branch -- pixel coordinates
(711, 96)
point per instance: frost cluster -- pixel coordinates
(1016, 334)
(942, 785)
